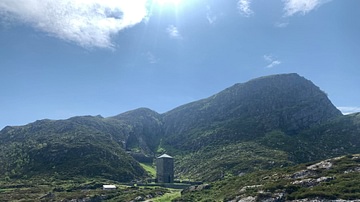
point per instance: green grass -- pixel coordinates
(168, 197)
(160, 149)
(78, 188)
(214, 163)
(149, 169)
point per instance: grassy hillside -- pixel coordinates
(146, 130)
(337, 178)
(80, 146)
(339, 136)
(247, 111)
(75, 189)
(265, 123)
(211, 163)
(336, 137)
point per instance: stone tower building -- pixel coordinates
(165, 169)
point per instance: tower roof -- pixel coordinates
(164, 156)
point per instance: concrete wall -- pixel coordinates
(165, 170)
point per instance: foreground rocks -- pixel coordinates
(306, 179)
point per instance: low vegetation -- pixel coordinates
(51, 189)
(337, 178)
(168, 196)
(214, 163)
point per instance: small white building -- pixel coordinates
(109, 187)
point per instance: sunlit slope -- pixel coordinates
(327, 180)
(80, 146)
(246, 111)
(267, 122)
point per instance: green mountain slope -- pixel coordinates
(267, 122)
(247, 111)
(146, 130)
(336, 137)
(80, 146)
(331, 179)
(339, 136)
(210, 164)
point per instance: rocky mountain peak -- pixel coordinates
(286, 102)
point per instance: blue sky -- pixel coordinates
(66, 58)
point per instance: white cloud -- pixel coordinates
(349, 110)
(281, 24)
(271, 61)
(88, 23)
(244, 7)
(209, 16)
(173, 32)
(151, 57)
(301, 6)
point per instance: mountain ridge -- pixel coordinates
(257, 106)
(245, 120)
